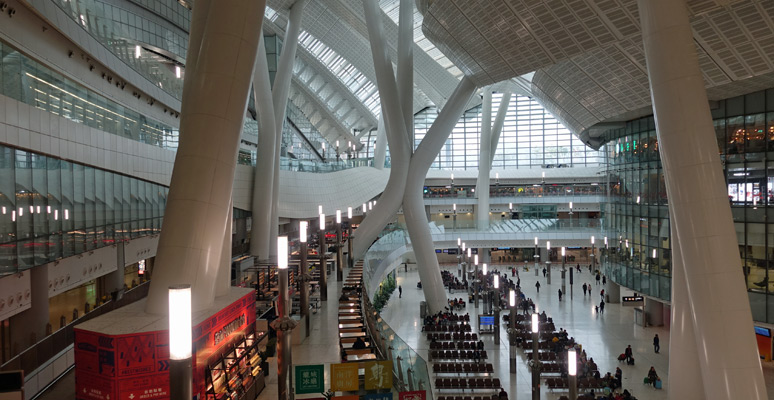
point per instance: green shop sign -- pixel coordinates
(310, 379)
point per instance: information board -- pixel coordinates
(310, 379)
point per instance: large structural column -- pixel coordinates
(223, 283)
(380, 148)
(263, 182)
(685, 380)
(701, 216)
(279, 95)
(413, 203)
(214, 100)
(484, 159)
(612, 292)
(405, 75)
(497, 126)
(400, 151)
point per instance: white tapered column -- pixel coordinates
(400, 152)
(728, 356)
(484, 159)
(413, 203)
(279, 95)
(380, 148)
(685, 380)
(200, 188)
(263, 182)
(223, 284)
(405, 74)
(497, 126)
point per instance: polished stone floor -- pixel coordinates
(603, 336)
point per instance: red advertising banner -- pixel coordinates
(136, 366)
(415, 395)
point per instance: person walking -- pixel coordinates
(584, 290)
(602, 307)
(629, 353)
(604, 280)
(400, 291)
(537, 285)
(602, 294)
(560, 294)
(619, 376)
(598, 279)
(544, 272)
(656, 342)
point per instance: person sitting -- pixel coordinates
(503, 394)
(344, 297)
(359, 344)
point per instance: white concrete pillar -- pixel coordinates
(31, 323)
(279, 95)
(484, 159)
(380, 148)
(223, 283)
(497, 126)
(413, 203)
(200, 188)
(263, 182)
(400, 151)
(612, 291)
(405, 75)
(654, 310)
(697, 196)
(685, 381)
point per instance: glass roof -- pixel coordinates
(360, 86)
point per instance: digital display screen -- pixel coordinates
(762, 331)
(437, 250)
(486, 320)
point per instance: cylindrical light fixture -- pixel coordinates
(469, 252)
(180, 322)
(592, 240)
(563, 252)
(535, 323)
(364, 207)
(454, 207)
(282, 252)
(322, 221)
(605, 240)
(496, 281)
(475, 259)
(338, 216)
(654, 253)
(370, 206)
(512, 298)
(572, 363)
(349, 212)
(548, 245)
(463, 248)
(302, 227)
(510, 206)
(536, 241)
(452, 177)
(483, 268)
(319, 209)
(459, 242)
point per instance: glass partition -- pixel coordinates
(27, 81)
(50, 209)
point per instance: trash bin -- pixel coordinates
(607, 298)
(422, 309)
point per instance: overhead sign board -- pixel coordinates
(632, 301)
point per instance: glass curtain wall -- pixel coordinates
(531, 138)
(27, 81)
(51, 208)
(744, 129)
